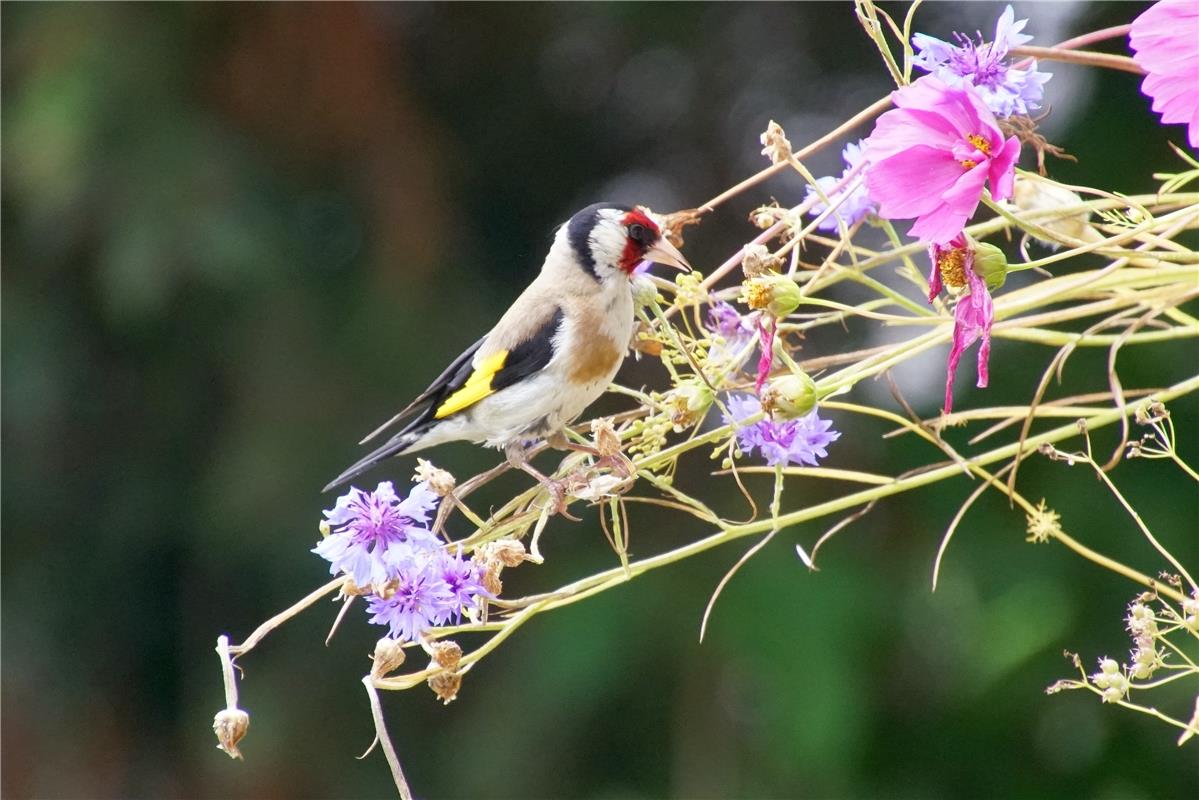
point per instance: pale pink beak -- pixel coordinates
(663, 252)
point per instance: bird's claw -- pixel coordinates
(557, 499)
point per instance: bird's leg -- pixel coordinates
(617, 462)
(559, 441)
(517, 457)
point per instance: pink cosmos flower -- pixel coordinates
(930, 156)
(953, 266)
(1166, 41)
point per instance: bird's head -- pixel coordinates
(609, 240)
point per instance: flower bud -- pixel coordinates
(230, 725)
(1032, 194)
(776, 293)
(991, 264)
(689, 401)
(389, 655)
(789, 396)
(644, 290)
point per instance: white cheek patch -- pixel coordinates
(608, 239)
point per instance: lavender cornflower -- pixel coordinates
(421, 597)
(736, 332)
(857, 204)
(1005, 89)
(464, 583)
(794, 441)
(373, 531)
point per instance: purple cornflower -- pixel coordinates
(1005, 89)
(736, 332)
(857, 203)
(463, 581)
(793, 441)
(420, 598)
(373, 531)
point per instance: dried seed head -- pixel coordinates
(230, 725)
(775, 144)
(603, 434)
(509, 552)
(440, 481)
(389, 655)
(446, 654)
(446, 685)
(758, 260)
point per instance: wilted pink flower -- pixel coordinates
(953, 266)
(1166, 41)
(930, 156)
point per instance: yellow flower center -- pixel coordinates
(968, 164)
(952, 265)
(980, 143)
(757, 295)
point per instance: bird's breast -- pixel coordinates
(597, 359)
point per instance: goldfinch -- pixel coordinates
(551, 354)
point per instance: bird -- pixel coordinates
(555, 350)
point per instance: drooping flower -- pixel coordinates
(954, 267)
(793, 441)
(420, 599)
(930, 156)
(372, 531)
(1165, 40)
(1005, 89)
(856, 204)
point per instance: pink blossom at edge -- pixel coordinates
(1165, 40)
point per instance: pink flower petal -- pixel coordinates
(911, 183)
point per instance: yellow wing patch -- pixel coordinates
(477, 386)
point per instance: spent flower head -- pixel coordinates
(954, 266)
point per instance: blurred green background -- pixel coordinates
(236, 237)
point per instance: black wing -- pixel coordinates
(455, 375)
(438, 401)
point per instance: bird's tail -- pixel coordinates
(393, 447)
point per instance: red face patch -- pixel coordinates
(640, 234)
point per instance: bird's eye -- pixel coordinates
(638, 233)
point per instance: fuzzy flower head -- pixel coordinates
(852, 201)
(420, 599)
(794, 441)
(954, 266)
(371, 531)
(1166, 41)
(930, 156)
(463, 581)
(1005, 89)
